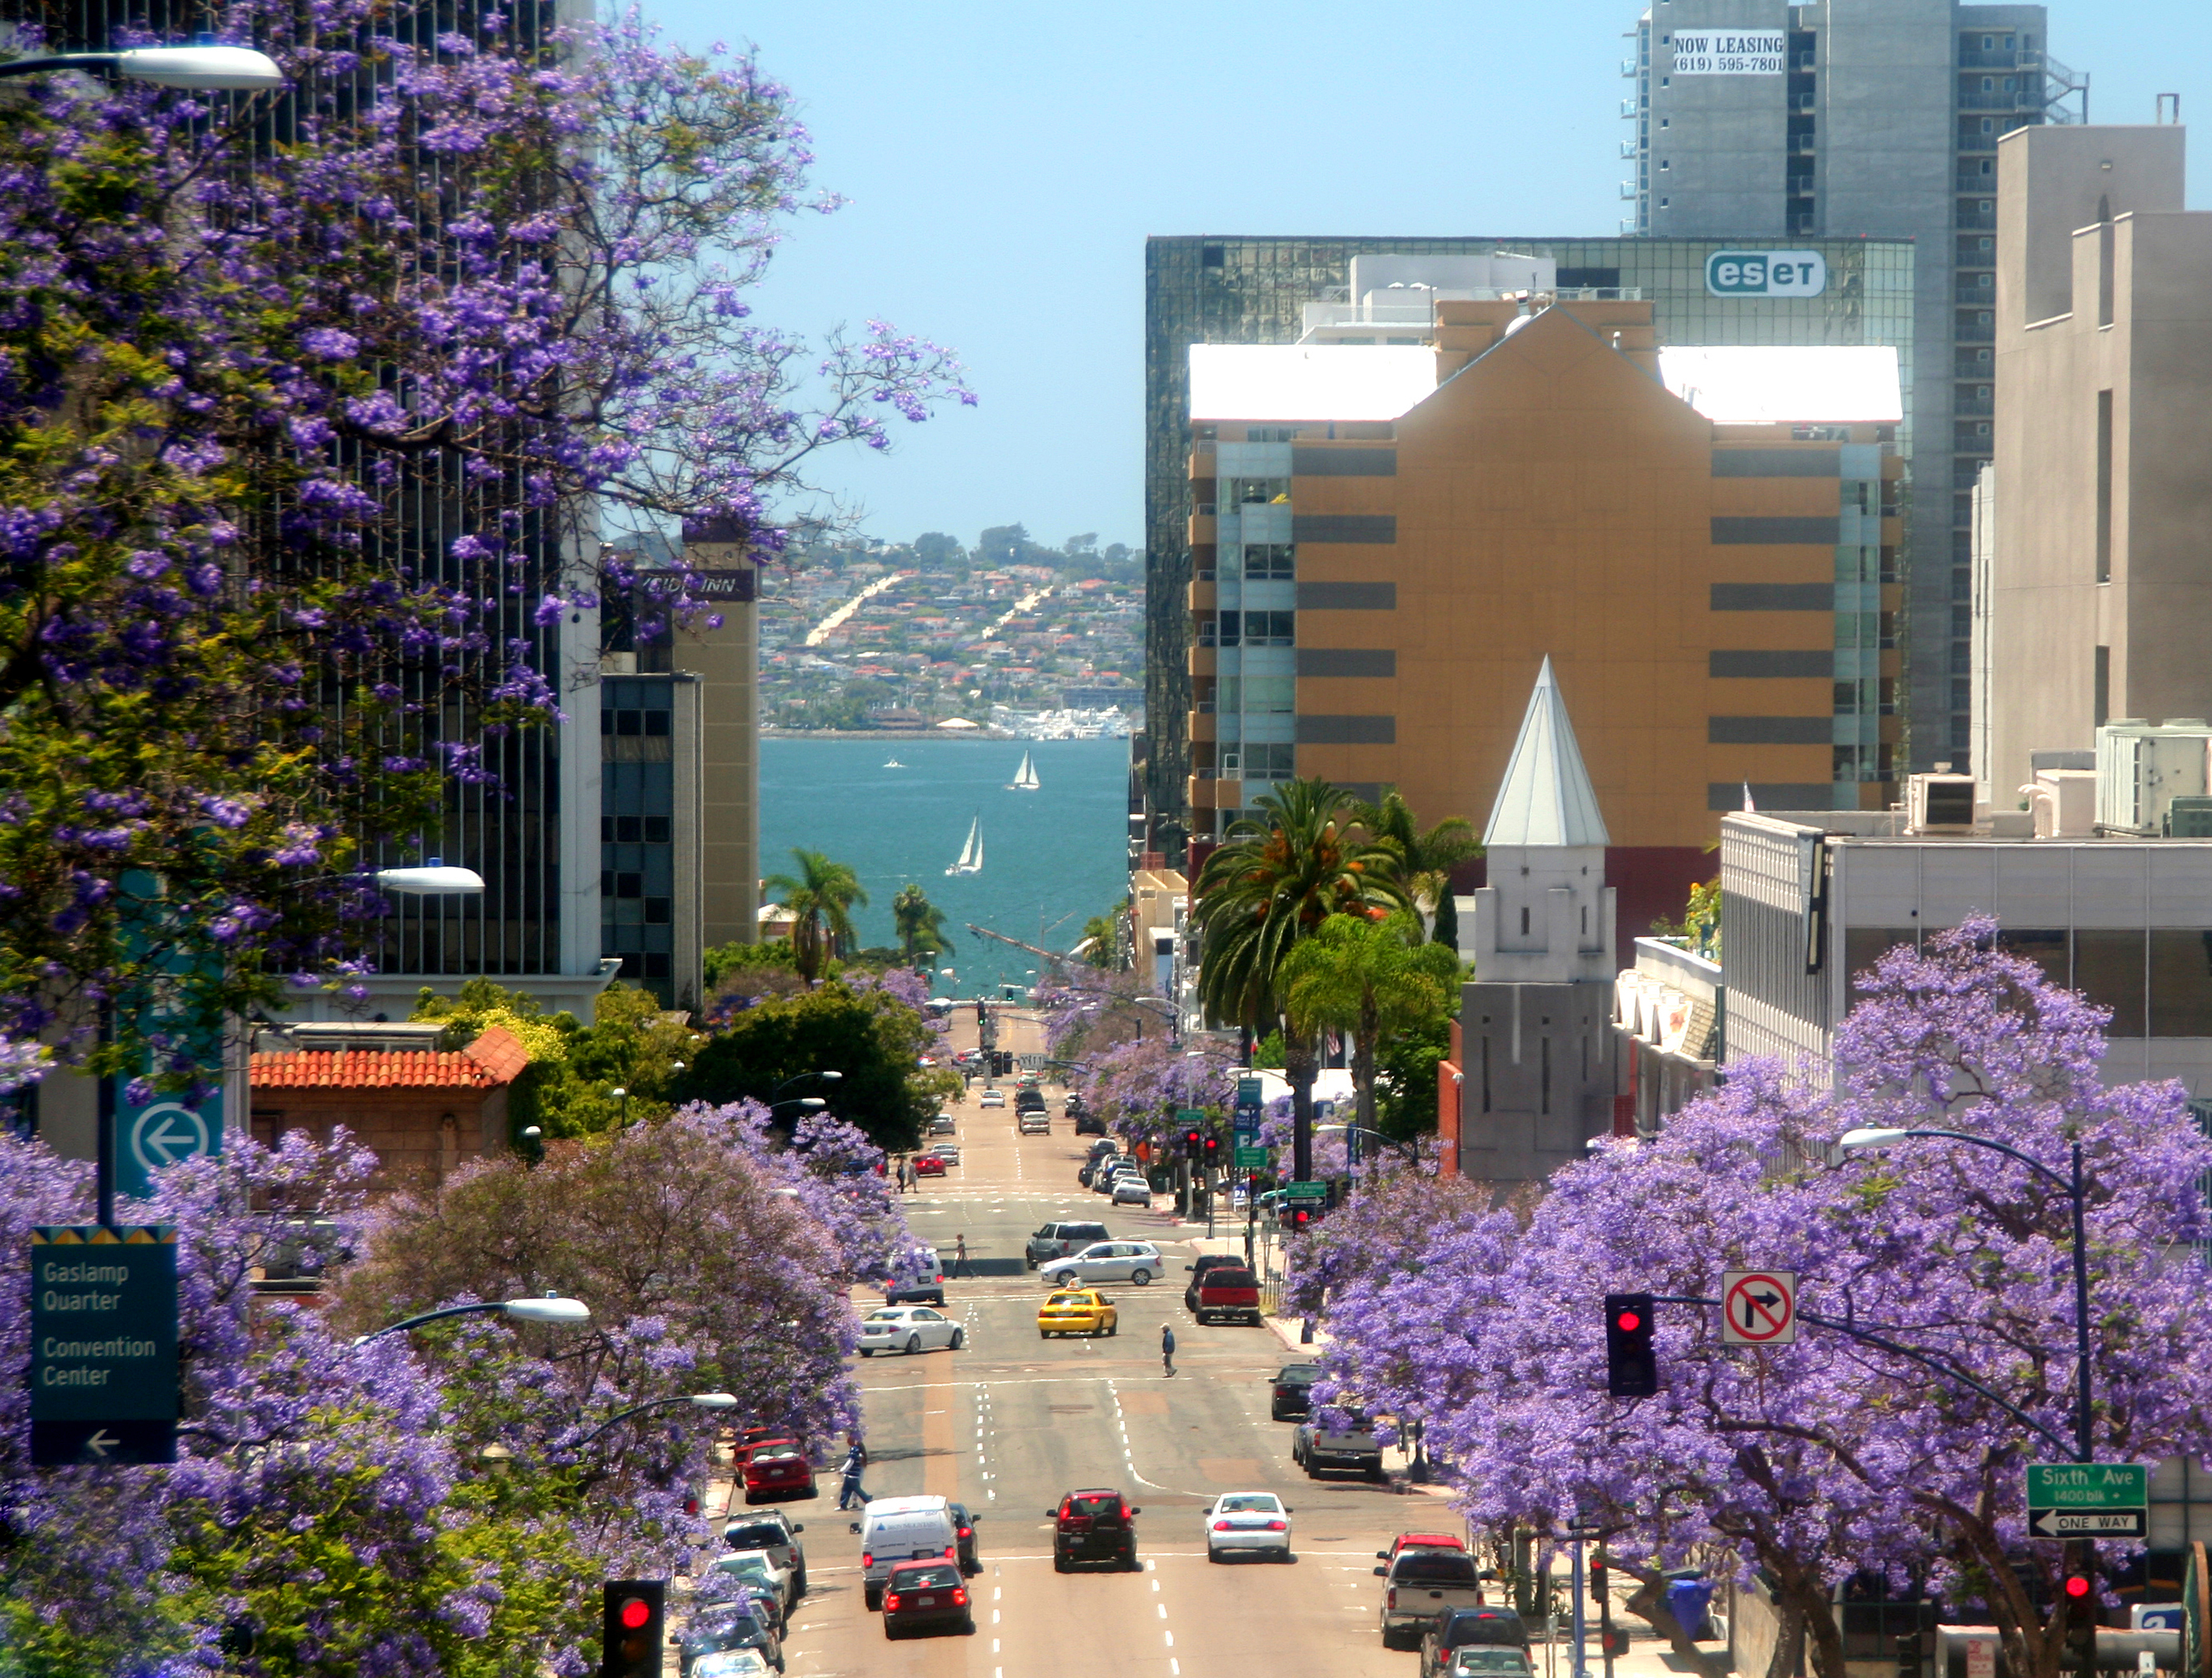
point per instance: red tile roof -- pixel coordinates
(494, 1059)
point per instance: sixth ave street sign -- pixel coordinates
(103, 1344)
(2087, 1500)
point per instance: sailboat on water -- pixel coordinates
(1025, 778)
(972, 854)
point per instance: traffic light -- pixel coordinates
(633, 1624)
(1212, 1146)
(1190, 1143)
(981, 1013)
(1597, 1581)
(1631, 1368)
(2079, 1604)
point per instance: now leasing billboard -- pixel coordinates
(1730, 52)
(1766, 274)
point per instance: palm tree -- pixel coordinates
(918, 923)
(1370, 980)
(1427, 858)
(1274, 879)
(820, 900)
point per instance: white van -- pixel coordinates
(896, 1530)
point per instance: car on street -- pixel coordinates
(1038, 1123)
(732, 1663)
(1028, 1098)
(1248, 1522)
(1228, 1295)
(777, 1468)
(1290, 1391)
(907, 1329)
(775, 1532)
(964, 1523)
(896, 1530)
(941, 1124)
(920, 1282)
(1055, 1241)
(1205, 1262)
(723, 1626)
(925, 1596)
(1345, 1445)
(1417, 1585)
(1132, 1189)
(1461, 1628)
(1077, 1310)
(948, 1152)
(1478, 1660)
(770, 1585)
(992, 1099)
(1088, 1123)
(1095, 1524)
(1133, 1261)
(1111, 1174)
(928, 1165)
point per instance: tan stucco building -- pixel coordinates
(1390, 540)
(2093, 549)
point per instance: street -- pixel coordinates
(1011, 1422)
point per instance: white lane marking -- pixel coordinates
(1156, 1585)
(1162, 1608)
(996, 1592)
(994, 1616)
(1175, 1667)
(1170, 1636)
(994, 1646)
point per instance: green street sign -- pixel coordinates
(1187, 1115)
(103, 1371)
(2087, 1500)
(1247, 1091)
(1306, 1191)
(1251, 1159)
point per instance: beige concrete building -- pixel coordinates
(727, 662)
(2099, 575)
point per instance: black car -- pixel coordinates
(1206, 1262)
(964, 1524)
(728, 1625)
(1458, 1627)
(1094, 1525)
(1088, 1123)
(1291, 1392)
(1029, 1101)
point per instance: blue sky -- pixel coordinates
(1005, 163)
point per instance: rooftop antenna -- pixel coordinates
(2163, 107)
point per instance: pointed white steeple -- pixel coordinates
(1546, 798)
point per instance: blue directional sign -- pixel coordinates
(151, 1134)
(103, 1344)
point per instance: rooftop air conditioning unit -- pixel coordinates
(2142, 768)
(1940, 803)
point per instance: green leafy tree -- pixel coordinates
(1371, 980)
(1426, 857)
(918, 923)
(820, 899)
(1273, 882)
(872, 1039)
(1102, 937)
(720, 961)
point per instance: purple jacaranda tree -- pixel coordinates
(1832, 1455)
(325, 414)
(1137, 1086)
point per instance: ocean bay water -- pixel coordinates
(1052, 857)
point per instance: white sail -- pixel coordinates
(971, 860)
(1025, 778)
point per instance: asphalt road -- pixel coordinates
(1011, 1421)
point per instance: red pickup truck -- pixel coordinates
(1227, 1295)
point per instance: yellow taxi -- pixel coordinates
(1076, 1310)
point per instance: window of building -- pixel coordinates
(1989, 85)
(1262, 628)
(657, 830)
(2104, 486)
(1989, 125)
(1662, 203)
(630, 829)
(1258, 491)
(2181, 983)
(2108, 968)
(1270, 560)
(1271, 694)
(1665, 165)
(656, 911)
(2100, 698)
(1865, 946)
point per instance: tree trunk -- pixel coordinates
(1363, 1081)
(1301, 1062)
(1649, 1604)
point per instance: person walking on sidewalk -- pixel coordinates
(849, 1490)
(1167, 1348)
(959, 1255)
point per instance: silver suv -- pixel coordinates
(1059, 1240)
(1133, 1262)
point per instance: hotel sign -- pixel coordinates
(1766, 274)
(1730, 52)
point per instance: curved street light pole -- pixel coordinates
(552, 1309)
(697, 1400)
(205, 69)
(826, 1077)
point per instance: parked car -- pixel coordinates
(723, 1626)
(1228, 1295)
(923, 1284)
(907, 1329)
(1111, 1174)
(769, 1584)
(778, 1468)
(919, 1595)
(1419, 1585)
(1094, 1525)
(1133, 1261)
(1247, 1521)
(732, 1663)
(992, 1099)
(928, 1165)
(1206, 1262)
(1088, 1123)
(1290, 1391)
(1038, 1124)
(1461, 1628)
(775, 1532)
(1058, 1240)
(965, 1530)
(1078, 1310)
(1349, 1444)
(1071, 1105)
(1131, 1190)
(896, 1530)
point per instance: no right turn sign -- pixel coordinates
(1758, 1307)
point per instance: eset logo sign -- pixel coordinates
(1766, 274)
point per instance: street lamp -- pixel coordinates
(709, 1401)
(551, 1309)
(622, 1096)
(433, 880)
(206, 69)
(804, 1103)
(826, 1077)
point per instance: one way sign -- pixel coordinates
(1758, 1307)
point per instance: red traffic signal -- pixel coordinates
(1631, 1366)
(635, 1611)
(1212, 1146)
(1190, 1140)
(632, 1617)
(2076, 1586)
(1628, 1322)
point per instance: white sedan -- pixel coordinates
(907, 1329)
(948, 1152)
(1248, 1521)
(992, 1099)
(1130, 1189)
